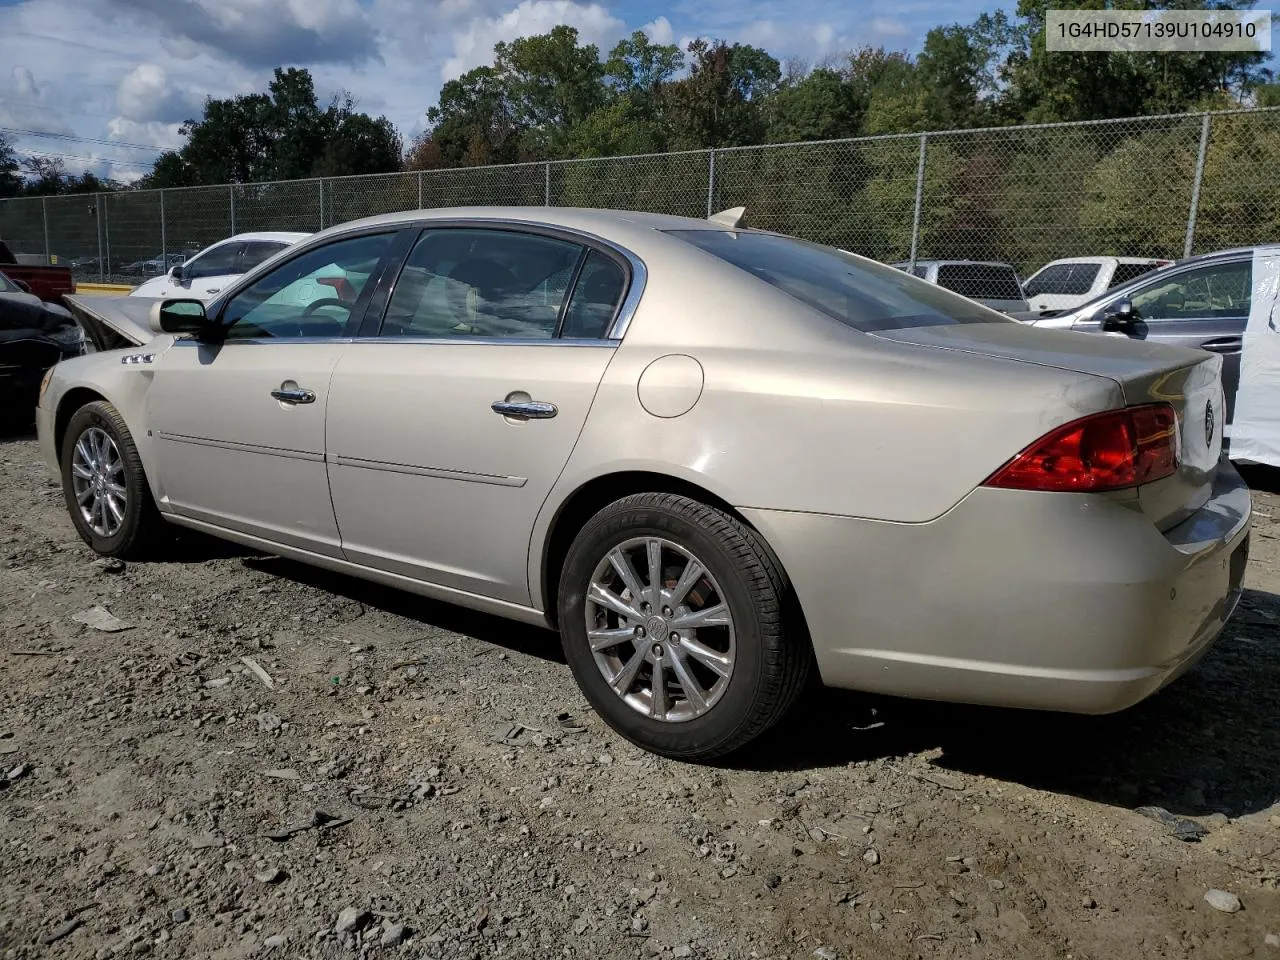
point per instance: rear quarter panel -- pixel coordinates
(800, 412)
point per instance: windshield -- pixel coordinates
(861, 293)
(1068, 279)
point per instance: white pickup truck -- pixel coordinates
(1067, 283)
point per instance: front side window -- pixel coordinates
(482, 283)
(311, 295)
(215, 262)
(1220, 291)
(860, 293)
(1065, 279)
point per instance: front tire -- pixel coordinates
(105, 487)
(672, 618)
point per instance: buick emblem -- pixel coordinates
(1208, 423)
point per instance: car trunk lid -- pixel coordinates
(1189, 380)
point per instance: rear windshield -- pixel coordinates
(1070, 279)
(981, 281)
(866, 295)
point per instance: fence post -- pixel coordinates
(44, 215)
(546, 201)
(1195, 187)
(915, 222)
(106, 240)
(231, 190)
(97, 217)
(164, 243)
(419, 189)
(711, 183)
(320, 181)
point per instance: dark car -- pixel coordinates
(1199, 302)
(32, 339)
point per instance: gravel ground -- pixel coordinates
(411, 780)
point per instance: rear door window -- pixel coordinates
(258, 251)
(980, 281)
(500, 284)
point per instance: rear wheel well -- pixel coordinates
(71, 401)
(596, 494)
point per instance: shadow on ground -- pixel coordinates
(516, 637)
(1209, 743)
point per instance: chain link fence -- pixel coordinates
(999, 200)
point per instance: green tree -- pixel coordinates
(821, 106)
(552, 84)
(10, 179)
(720, 103)
(282, 134)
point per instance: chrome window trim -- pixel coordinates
(508, 341)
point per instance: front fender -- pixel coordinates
(107, 376)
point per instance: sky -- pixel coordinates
(105, 84)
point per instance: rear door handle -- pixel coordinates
(1223, 345)
(525, 409)
(294, 395)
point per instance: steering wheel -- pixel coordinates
(325, 302)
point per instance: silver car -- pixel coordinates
(721, 462)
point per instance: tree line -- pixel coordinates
(552, 97)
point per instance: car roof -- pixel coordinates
(281, 235)
(1108, 259)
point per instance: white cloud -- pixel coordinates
(659, 30)
(474, 46)
(263, 33)
(147, 93)
(884, 27)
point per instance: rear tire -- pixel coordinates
(724, 638)
(105, 487)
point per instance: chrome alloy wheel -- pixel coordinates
(664, 642)
(97, 479)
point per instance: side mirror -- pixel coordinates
(1119, 315)
(176, 272)
(178, 317)
(23, 286)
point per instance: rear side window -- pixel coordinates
(861, 293)
(595, 298)
(1070, 279)
(1130, 271)
(256, 251)
(980, 281)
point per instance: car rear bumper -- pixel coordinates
(1064, 602)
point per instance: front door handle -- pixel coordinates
(525, 409)
(294, 395)
(1223, 345)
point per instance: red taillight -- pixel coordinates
(1105, 451)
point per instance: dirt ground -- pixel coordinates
(436, 787)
